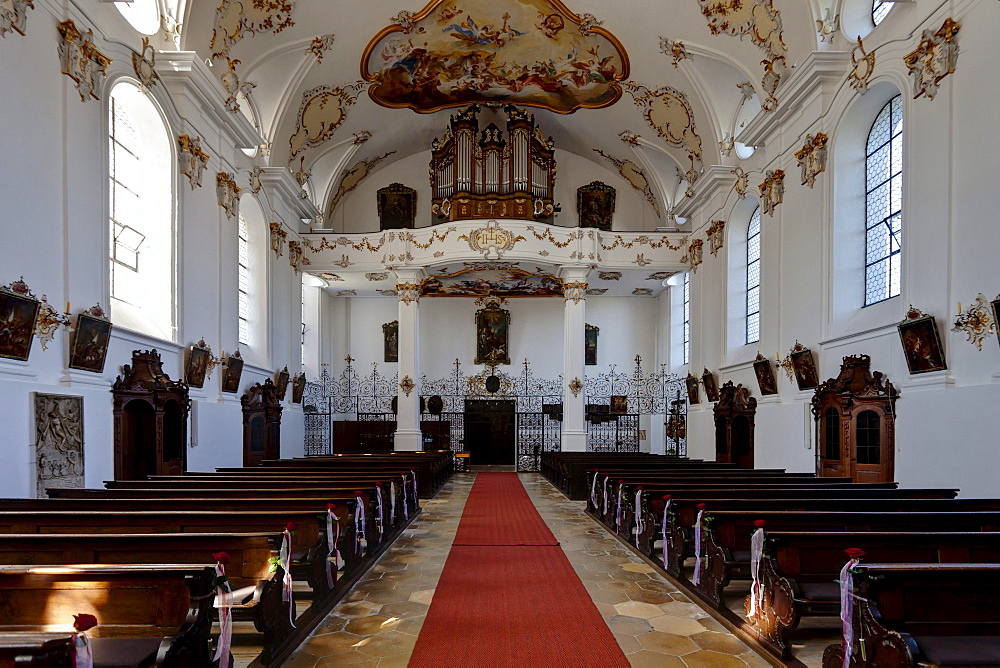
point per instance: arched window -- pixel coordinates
(687, 317)
(244, 282)
(140, 190)
(753, 278)
(880, 8)
(884, 203)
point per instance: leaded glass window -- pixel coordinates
(244, 282)
(868, 430)
(753, 278)
(884, 204)
(687, 317)
(880, 8)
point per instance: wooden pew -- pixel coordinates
(433, 468)
(923, 615)
(799, 570)
(146, 613)
(726, 541)
(36, 650)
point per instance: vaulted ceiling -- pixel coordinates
(296, 66)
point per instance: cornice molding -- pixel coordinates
(283, 190)
(715, 180)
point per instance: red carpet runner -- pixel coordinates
(508, 596)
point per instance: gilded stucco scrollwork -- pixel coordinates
(934, 58)
(761, 22)
(144, 65)
(14, 16)
(377, 276)
(812, 158)
(319, 46)
(548, 236)
(635, 176)
(236, 19)
(675, 49)
(641, 260)
(408, 293)
(772, 191)
(715, 236)
(575, 291)
(356, 174)
(234, 87)
(81, 60)
(643, 292)
(407, 385)
(641, 240)
(192, 159)
(296, 255)
(742, 182)
(695, 253)
(576, 386)
(364, 244)
(975, 322)
(436, 236)
(48, 322)
(227, 192)
(322, 110)
(492, 240)
(669, 113)
(828, 27)
(254, 180)
(278, 236)
(864, 68)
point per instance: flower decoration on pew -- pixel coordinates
(855, 553)
(222, 558)
(666, 497)
(760, 524)
(702, 506)
(84, 622)
(332, 506)
(291, 527)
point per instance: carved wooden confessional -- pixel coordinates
(151, 414)
(483, 175)
(734, 425)
(261, 423)
(855, 417)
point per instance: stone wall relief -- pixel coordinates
(322, 110)
(772, 191)
(81, 60)
(228, 193)
(58, 447)
(14, 16)
(192, 159)
(934, 58)
(812, 158)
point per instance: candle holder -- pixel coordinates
(976, 321)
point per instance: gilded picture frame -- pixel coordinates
(397, 207)
(298, 388)
(281, 379)
(196, 367)
(765, 377)
(590, 345)
(88, 348)
(711, 387)
(390, 341)
(619, 404)
(921, 345)
(804, 368)
(995, 307)
(691, 383)
(595, 205)
(18, 316)
(231, 374)
(492, 335)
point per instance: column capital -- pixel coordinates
(574, 272)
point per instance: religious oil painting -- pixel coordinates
(922, 345)
(492, 335)
(89, 348)
(281, 379)
(58, 448)
(711, 387)
(590, 344)
(531, 52)
(298, 388)
(804, 367)
(765, 376)
(619, 404)
(197, 366)
(390, 341)
(595, 205)
(17, 325)
(397, 207)
(483, 282)
(692, 389)
(232, 373)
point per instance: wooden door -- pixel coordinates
(490, 432)
(871, 458)
(831, 452)
(741, 442)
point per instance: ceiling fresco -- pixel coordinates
(532, 52)
(481, 282)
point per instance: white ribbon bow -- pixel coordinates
(847, 608)
(380, 518)
(756, 555)
(640, 524)
(593, 490)
(604, 486)
(224, 602)
(697, 549)
(406, 505)
(332, 540)
(285, 555)
(82, 654)
(663, 527)
(392, 502)
(618, 509)
(360, 525)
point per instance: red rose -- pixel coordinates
(291, 526)
(84, 622)
(331, 506)
(760, 524)
(378, 484)
(638, 488)
(222, 557)
(357, 493)
(855, 553)
(702, 506)
(620, 481)
(666, 497)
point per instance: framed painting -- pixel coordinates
(281, 379)
(590, 345)
(595, 205)
(17, 325)
(232, 374)
(88, 348)
(995, 304)
(196, 368)
(804, 367)
(692, 388)
(390, 341)
(397, 207)
(765, 376)
(921, 343)
(711, 387)
(298, 388)
(492, 335)
(619, 404)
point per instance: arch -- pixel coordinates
(141, 226)
(254, 344)
(884, 203)
(736, 277)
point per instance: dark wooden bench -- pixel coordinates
(147, 613)
(433, 468)
(799, 570)
(923, 615)
(726, 541)
(36, 650)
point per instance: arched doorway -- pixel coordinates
(261, 423)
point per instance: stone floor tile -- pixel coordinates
(708, 659)
(681, 626)
(638, 609)
(647, 659)
(667, 643)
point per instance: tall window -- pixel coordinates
(884, 204)
(140, 191)
(687, 317)
(244, 282)
(880, 8)
(753, 278)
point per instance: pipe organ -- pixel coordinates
(485, 175)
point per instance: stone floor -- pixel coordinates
(654, 623)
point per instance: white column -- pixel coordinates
(408, 435)
(574, 428)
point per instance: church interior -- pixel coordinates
(698, 291)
